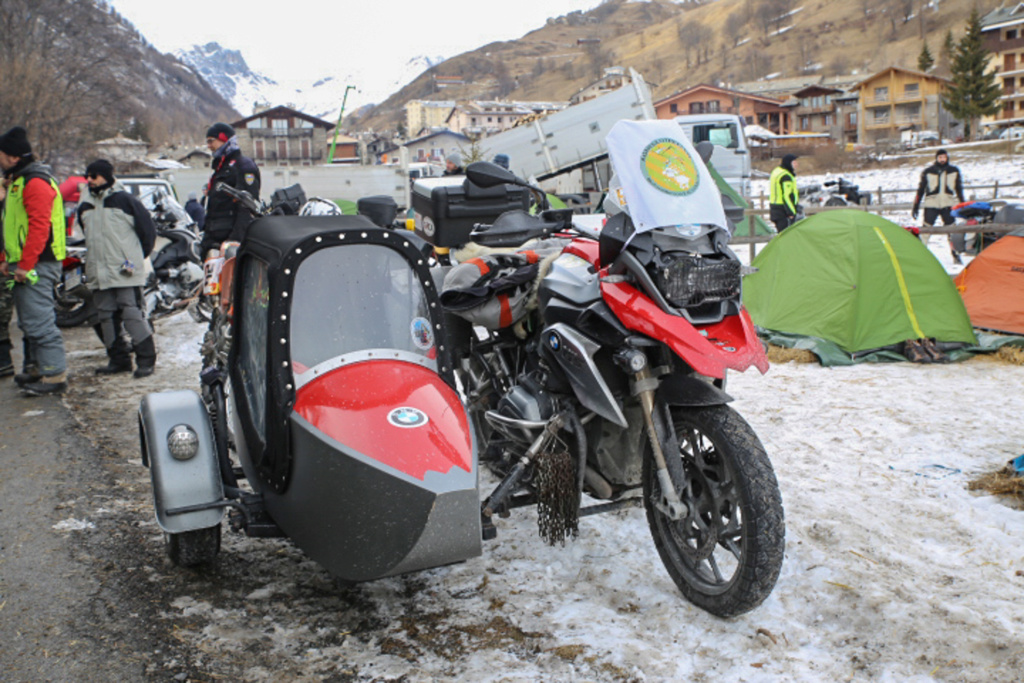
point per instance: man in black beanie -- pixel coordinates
(119, 234)
(34, 230)
(226, 219)
(940, 190)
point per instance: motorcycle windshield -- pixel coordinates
(358, 303)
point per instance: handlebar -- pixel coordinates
(241, 196)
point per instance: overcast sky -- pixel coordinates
(299, 39)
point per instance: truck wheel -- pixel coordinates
(193, 548)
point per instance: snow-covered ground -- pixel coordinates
(893, 570)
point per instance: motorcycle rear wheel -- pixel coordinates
(725, 555)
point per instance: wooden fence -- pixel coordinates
(883, 209)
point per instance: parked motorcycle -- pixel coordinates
(72, 298)
(614, 386)
(175, 270)
(357, 395)
(839, 192)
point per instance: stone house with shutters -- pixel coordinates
(282, 136)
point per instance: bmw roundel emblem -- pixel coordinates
(554, 342)
(407, 417)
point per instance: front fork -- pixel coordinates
(670, 476)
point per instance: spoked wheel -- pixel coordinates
(725, 553)
(193, 548)
(836, 201)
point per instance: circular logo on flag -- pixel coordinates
(407, 417)
(669, 168)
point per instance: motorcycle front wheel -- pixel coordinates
(72, 308)
(726, 552)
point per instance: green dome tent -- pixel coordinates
(856, 280)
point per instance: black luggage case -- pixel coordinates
(448, 208)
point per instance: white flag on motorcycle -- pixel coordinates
(664, 180)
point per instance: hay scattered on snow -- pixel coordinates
(781, 354)
(1005, 482)
(1011, 354)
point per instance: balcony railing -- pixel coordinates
(281, 132)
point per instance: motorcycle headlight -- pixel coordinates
(691, 280)
(182, 442)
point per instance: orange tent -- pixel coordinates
(992, 286)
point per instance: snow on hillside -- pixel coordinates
(317, 95)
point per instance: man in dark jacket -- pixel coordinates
(784, 198)
(119, 234)
(226, 219)
(195, 210)
(34, 229)
(940, 190)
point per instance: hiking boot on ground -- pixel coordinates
(915, 352)
(29, 375)
(45, 386)
(115, 366)
(145, 358)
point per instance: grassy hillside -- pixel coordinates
(677, 45)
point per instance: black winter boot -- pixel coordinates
(6, 364)
(119, 359)
(145, 358)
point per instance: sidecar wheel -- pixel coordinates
(725, 554)
(193, 548)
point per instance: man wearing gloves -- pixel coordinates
(784, 198)
(940, 190)
(34, 229)
(119, 234)
(226, 219)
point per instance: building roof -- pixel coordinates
(434, 135)
(776, 87)
(814, 89)
(900, 68)
(722, 91)
(287, 111)
(1003, 16)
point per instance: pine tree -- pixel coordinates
(973, 93)
(925, 61)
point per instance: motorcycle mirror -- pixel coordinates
(486, 174)
(705, 149)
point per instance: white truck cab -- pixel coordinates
(731, 157)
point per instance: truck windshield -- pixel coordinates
(357, 299)
(723, 134)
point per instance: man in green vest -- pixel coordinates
(784, 198)
(34, 229)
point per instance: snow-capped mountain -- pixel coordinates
(320, 96)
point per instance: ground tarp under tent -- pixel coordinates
(992, 286)
(849, 284)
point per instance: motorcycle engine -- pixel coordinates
(527, 401)
(191, 274)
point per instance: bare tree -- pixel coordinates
(734, 24)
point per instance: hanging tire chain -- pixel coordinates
(558, 500)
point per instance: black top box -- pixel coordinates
(447, 208)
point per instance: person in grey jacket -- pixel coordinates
(119, 234)
(941, 189)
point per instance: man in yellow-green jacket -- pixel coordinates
(784, 198)
(34, 229)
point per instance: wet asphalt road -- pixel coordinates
(60, 619)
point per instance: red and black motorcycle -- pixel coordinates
(609, 381)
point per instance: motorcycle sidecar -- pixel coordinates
(341, 406)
